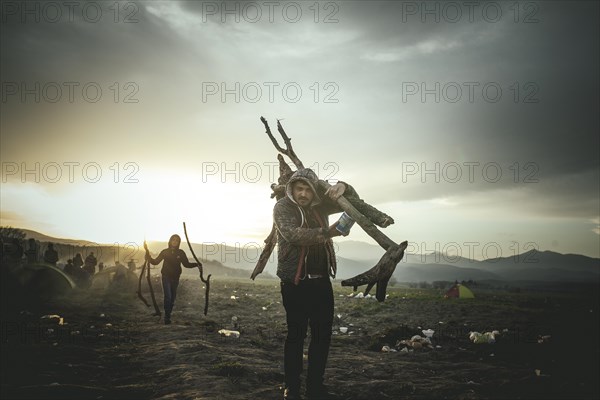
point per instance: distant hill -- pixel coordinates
(355, 257)
(49, 239)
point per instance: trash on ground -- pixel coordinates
(228, 333)
(482, 338)
(416, 342)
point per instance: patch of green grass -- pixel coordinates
(229, 369)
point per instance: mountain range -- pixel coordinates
(355, 257)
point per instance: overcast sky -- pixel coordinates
(467, 122)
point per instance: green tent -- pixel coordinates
(459, 291)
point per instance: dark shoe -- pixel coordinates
(167, 321)
(291, 394)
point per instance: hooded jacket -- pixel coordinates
(173, 258)
(295, 237)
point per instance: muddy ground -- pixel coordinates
(110, 345)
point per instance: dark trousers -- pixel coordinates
(169, 285)
(310, 303)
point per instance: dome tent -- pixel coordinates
(459, 291)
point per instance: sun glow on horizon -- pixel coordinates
(152, 209)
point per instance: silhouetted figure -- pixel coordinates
(120, 274)
(70, 268)
(32, 251)
(100, 266)
(78, 261)
(14, 252)
(79, 275)
(51, 255)
(173, 257)
(90, 264)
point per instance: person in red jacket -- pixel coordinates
(173, 258)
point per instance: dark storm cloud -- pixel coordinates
(382, 46)
(559, 133)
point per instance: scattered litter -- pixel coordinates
(481, 338)
(102, 316)
(404, 350)
(264, 308)
(538, 372)
(92, 326)
(228, 333)
(441, 323)
(416, 342)
(55, 344)
(49, 330)
(492, 355)
(388, 349)
(234, 298)
(428, 332)
(75, 333)
(54, 318)
(438, 346)
(108, 325)
(343, 329)
(360, 295)
(368, 296)
(339, 316)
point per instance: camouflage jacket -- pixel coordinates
(293, 234)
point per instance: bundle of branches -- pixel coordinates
(365, 215)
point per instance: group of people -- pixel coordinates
(306, 262)
(82, 271)
(14, 253)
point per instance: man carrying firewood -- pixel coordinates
(306, 260)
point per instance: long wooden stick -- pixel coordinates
(205, 281)
(139, 291)
(156, 309)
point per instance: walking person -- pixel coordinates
(173, 258)
(306, 261)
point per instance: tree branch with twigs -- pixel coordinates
(365, 215)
